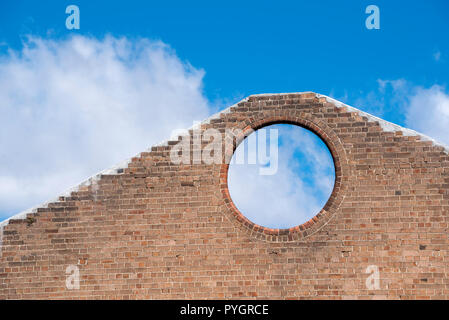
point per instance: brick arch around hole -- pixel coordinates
(332, 141)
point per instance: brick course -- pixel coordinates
(156, 230)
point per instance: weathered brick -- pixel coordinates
(155, 230)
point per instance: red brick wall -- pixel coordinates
(161, 231)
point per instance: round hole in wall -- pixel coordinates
(281, 176)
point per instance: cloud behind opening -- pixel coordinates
(296, 192)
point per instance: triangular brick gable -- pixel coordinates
(151, 229)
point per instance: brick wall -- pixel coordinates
(156, 230)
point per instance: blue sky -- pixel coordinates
(185, 60)
(249, 47)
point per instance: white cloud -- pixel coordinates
(397, 85)
(427, 111)
(437, 56)
(70, 108)
(296, 193)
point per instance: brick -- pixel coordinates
(155, 230)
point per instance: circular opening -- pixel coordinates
(281, 176)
